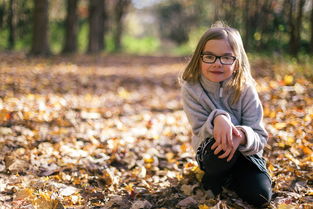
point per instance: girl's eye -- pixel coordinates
(209, 57)
(227, 58)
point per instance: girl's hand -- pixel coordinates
(223, 133)
(237, 140)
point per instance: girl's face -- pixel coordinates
(217, 72)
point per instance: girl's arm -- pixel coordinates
(252, 123)
(200, 119)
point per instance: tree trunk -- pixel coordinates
(97, 16)
(292, 28)
(229, 11)
(295, 24)
(246, 17)
(217, 4)
(2, 12)
(299, 23)
(40, 44)
(71, 26)
(265, 14)
(311, 44)
(11, 26)
(120, 10)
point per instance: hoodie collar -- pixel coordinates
(213, 87)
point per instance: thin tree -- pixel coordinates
(120, 9)
(247, 19)
(11, 26)
(2, 12)
(97, 16)
(295, 25)
(71, 27)
(40, 43)
(299, 22)
(311, 42)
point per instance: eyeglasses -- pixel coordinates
(225, 60)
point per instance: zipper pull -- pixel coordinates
(221, 90)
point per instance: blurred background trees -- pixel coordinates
(171, 27)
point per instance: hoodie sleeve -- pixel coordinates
(252, 123)
(200, 118)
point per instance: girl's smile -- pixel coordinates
(217, 72)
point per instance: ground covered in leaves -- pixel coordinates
(109, 132)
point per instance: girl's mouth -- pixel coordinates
(217, 72)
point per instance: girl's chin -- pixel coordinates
(216, 77)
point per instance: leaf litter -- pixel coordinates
(94, 132)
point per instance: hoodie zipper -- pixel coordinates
(221, 89)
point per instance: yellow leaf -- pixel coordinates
(148, 159)
(199, 173)
(306, 150)
(285, 206)
(183, 147)
(129, 188)
(25, 194)
(189, 165)
(272, 114)
(280, 125)
(123, 93)
(204, 206)
(4, 115)
(271, 167)
(169, 156)
(45, 202)
(308, 118)
(288, 79)
(290, 141)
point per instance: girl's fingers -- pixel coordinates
(217, 141)
(230, 139)
(226, 153)
(224, 140)
(231, 155)
(214, 145)
(236, 131)
(230, 142)
(218, 149)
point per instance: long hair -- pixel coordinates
(242, 73)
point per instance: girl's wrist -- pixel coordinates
(219, 117)
(243, 138)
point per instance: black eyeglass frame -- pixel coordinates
(219, 57)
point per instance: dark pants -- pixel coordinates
(239, 174)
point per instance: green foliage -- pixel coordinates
(180, 22)
(140, 46)
(109, 43)
(57, 32)
(4, 33)
(182, 50)
(173, 22)
(282, 64)
(82, 37)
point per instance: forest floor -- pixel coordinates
(110, 132)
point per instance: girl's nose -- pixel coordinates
(218, 62)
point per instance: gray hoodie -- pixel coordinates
(202, 103)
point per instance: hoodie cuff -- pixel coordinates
(218, 112)
(249, 138)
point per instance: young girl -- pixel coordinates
(225, 113)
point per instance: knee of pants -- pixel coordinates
(260, 196)
(214, 165)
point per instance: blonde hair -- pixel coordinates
(242, 73)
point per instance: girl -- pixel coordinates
(225, 113)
